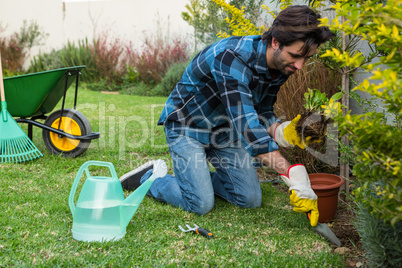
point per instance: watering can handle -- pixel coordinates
(77, 179)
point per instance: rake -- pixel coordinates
(15, 146)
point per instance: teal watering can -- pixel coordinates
(101, 212)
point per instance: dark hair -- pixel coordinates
(297, 23)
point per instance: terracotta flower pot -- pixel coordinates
(326, 187)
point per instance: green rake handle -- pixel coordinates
(3, 97)
(4, 111)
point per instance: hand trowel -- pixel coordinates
(323, 230)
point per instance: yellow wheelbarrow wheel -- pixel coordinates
(71, 122)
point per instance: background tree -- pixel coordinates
(16, 48)
(208, 18)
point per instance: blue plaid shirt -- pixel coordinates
(226, 89)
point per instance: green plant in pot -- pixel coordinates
(319, 111)
(312, 127)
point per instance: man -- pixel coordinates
(221, 113)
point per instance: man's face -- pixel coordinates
(289, 59)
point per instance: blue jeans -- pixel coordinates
(194, 186)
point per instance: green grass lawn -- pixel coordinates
(35, 219)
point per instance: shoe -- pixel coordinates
(131, 180)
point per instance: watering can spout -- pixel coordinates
(131, 203)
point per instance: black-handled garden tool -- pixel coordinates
(197, 230)
(323, 230)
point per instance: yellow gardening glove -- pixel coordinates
(286, 135)
(305, 206)
(290, 134)
(302, 197)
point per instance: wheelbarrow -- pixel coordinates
(30, 97)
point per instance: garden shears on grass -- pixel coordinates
(197, 230)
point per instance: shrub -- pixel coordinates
(238, 21)
(107, 59)
(115, 63)
(208, 19)
(15, 48)
(45, 61)
(381, 241)
(69, 55)
(140, 89)
(101, 58)
(171, 78)
(31, 34)
(376, 135)
(156, 56)
(12, 55)
(75, 55)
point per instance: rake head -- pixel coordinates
(15, 146)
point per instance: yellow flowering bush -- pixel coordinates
(242, 26)
(238, 22)
(376, 136)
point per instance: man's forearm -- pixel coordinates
(275, 161)
(271, 129)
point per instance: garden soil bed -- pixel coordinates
(343, 227)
